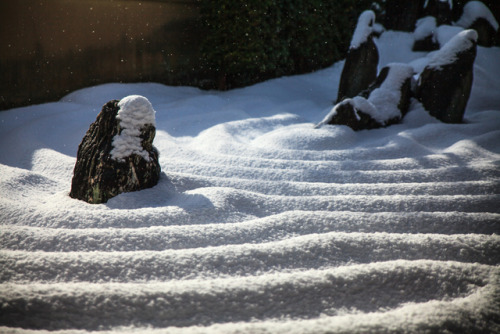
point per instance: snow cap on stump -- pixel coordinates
(117, 154)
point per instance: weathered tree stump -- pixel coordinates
(445, 83)
(117, 154)
(360, 67)
(386, 102)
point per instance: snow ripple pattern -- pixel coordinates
(260, 223)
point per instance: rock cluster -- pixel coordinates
(436, 27)
(442, 81)
(117, 154)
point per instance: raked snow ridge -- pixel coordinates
(260, 222)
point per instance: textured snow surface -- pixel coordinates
(260, 223)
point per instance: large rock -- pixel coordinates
(386, 102)
(445, 83)
(360, 67)
(477, 16)
(117, 154)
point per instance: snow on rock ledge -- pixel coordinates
(474, 10)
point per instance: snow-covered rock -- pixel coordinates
(449, 53)
(360, 67)
(424, 34)
(445, 84)
(116, 154)
(474, 10)
(384, 104)
(476, 15)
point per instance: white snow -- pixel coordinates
(364, 29)
(474, 10)
(135, 112)
(448, 52)
(386, 98)
(426, 26)
(444, 33)
(260, 223)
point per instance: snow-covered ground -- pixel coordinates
(260, 222)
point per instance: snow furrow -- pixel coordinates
(325, 174)
(183, 182)
(217, 205)
(310, 251)
(302, 295)
(267, 229)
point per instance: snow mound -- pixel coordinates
(135, 112)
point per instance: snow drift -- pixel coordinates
(260, 223)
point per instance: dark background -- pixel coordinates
(49, 48)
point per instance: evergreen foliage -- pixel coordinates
(251, 41)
